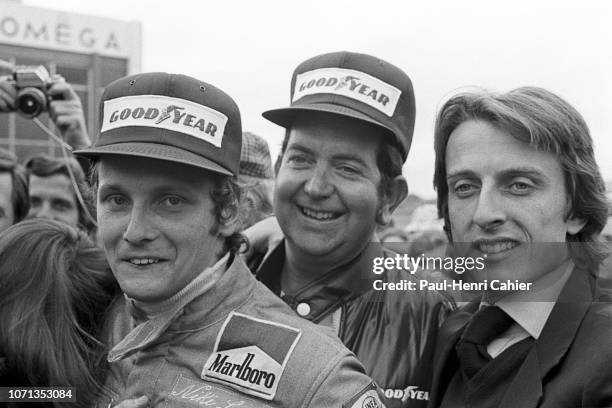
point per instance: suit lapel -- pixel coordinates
(525, 390)
(555, 339)
(445, 363)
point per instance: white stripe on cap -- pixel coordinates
(350, 83)
(165, 112)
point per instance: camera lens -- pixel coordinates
(31, 102)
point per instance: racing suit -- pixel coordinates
(229, 343)
(392, 332)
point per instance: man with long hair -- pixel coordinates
(518, 184)
(54, 195)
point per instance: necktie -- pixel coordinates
(486, 325)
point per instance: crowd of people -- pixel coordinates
(170, 263)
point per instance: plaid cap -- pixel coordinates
(255, 159)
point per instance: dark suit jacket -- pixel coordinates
(571, 363)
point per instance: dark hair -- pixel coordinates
(548, 123)
(226, 197)
(55, 288)
(46, 166)
(19, 197)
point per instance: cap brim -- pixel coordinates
(285, 116)
(154, 151)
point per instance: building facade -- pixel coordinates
(88, 51)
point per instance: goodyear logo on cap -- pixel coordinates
(250, 355)
(165, 112)
(350, 83)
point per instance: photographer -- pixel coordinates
(65, 107)
(55, 184)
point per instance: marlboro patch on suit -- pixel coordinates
(250, 355)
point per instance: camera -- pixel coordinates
(32, 84)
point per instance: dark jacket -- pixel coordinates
(570, 364)
(392, 332)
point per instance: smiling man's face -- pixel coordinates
(508, 202)
(326, 194)
(155, 221)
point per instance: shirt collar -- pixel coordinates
(530, 309)
(200, 284)
(331, 289)
(155, 318)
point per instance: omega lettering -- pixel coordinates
(36, 32)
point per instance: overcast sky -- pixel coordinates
(250, 48)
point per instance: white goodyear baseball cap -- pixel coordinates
(355, 85)
(169, 117)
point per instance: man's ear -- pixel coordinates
(575, 225)
(230, 223)
(397, 191)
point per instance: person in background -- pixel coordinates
(51, 189)
(518, 183)
(257, 178)
(14, 202)
(65, 108)
(53, 194)
(55, 288)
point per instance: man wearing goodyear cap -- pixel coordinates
(349, 130)
(195, 327)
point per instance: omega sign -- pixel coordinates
(34, 27)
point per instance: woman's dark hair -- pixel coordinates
(55, 287)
